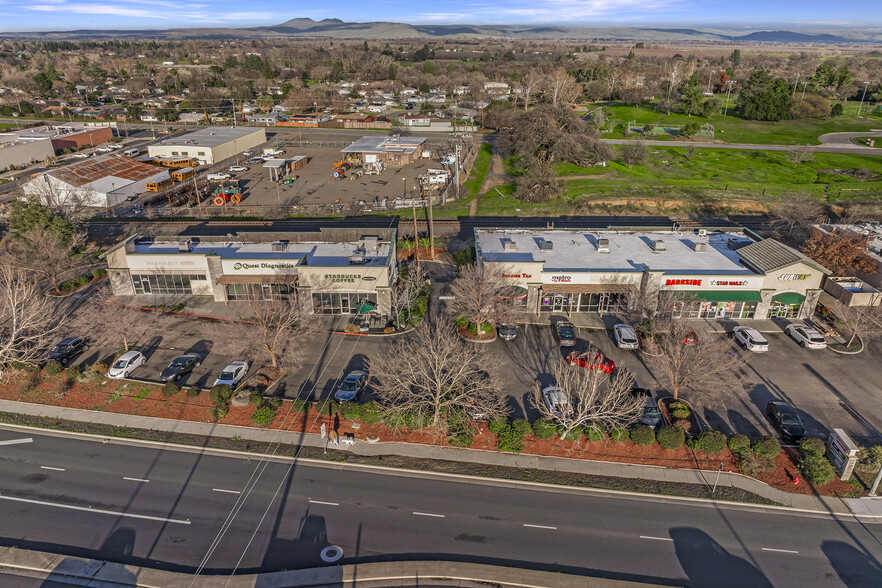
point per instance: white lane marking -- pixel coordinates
(779, 550)
(428, 514)
(17, 441)
(656, 538)
(327, 503)
(51, 468)
(226, 491)
(96, 510)
(540, 527)
(135, 479)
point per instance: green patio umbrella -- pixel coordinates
(365, 306)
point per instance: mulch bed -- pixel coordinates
(123, 397)
(488, 336)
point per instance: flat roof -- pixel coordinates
(313, 253)
(629, 251)
(210, 137)
(276, 163)
(117, 165)
(380, 144)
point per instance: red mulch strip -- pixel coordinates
(134, 398)
(464, 333)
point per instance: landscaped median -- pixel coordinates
(763, 459)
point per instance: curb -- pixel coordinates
(74, 291)
(861, 350)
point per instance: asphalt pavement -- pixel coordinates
(176, 510)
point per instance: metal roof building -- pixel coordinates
(211, 144)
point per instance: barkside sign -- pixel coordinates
(258, 267)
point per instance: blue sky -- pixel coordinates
(34, 15)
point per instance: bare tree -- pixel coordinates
(118, 323)
(46, 252)
(410, 283)
(588, 397)
(800, 154)
(435, 375)
(634, 153)
(277, 327)
(529, 84)
(793, 217)
(28, 319)
(678, 358)
(864, 322)
(76, 204)
(481, 294)
(562, 88)
(842, 252)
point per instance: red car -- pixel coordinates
(690, 339)
(592, 360)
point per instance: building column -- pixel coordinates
(121, 282)
(215, 271)
(809, 304)
(384, 300)
(304, 298)
(533, 298)
(762, 307)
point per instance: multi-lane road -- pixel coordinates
(187, 511)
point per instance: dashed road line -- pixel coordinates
(656, 538)
(780, 550)
(135, 479)
(95, 510)
(327, 503)
(51, 468)
(540, 527)
(428, 514)
(226, 491)
(17, 441)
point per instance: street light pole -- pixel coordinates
(864, 95)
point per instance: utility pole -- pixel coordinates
(864, 95)
(804, 86)
(416, 241)
(431, 197)
(796, 84)
(728, 90)
(198, 199)
(709, 78)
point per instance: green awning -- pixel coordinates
(725, 295)
(788, 298)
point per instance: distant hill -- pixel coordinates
(333, 28)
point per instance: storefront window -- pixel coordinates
(778, 310)
(165, 283)
(596, 302)
(715, 310)
(259, 292)
(342, 302)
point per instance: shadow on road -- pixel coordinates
(706, 563)
(855, 568)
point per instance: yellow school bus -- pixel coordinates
(180, 175)
(157, 186)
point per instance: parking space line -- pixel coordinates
(226, 491)
(51, 468)
(135, 479)
(326, 503)
(428, 514)
(780, 550)
(540, 527)
(656, 538)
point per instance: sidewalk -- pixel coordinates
(584, 320)
(820, 504)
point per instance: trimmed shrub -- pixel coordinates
(254, 396)
(263, 415)
(817, 469)
(619, 435)
(692, 444)
(498, 425)
(677, 405)
(416, 421)
(595, 433)
(544, 428)
(24, 366)
(462, 321)
(326, 407)
(461, 439)
(522, 427)
(97, 273)
(219, 413)
(642, 435)
(220, 395)
(712, 442)
(681, 414)
(485, 329)
(170, 389)
(574, 435)
(349, 410)
(671, 437)
(739, 443)
(193, 392)
(509, 440)
(298, 405)
(73, 373)
(811, 446)
(371, 413)
(753, 465)
(100, 368)
(767, 447)
(53, 368)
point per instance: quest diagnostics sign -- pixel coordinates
(258, 267)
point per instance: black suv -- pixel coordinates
(66, 350)
(180, 366)
(785, 418)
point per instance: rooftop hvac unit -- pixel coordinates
(356, 259)
(279, 247)
(603, 245)
(184, 247)
(659, 245)
(702, 232)
(510, 245)
(370, 245)
(544, 245)
(700, 247)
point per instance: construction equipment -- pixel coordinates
(374, 168)
(289, 179)
(227, 192)
(340, 169)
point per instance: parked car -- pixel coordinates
(351, 386)
(556, 401)
(232, 374)
(218, 177)
(247, 153)
(180, 366)
(82, 155)
(786, 420)
(126, 364)
(806, 336)
(592, 360)
(750, 339)
(507, 331)
(238, 168)
(105, 149)
(626, 338)
(66, 350)
(690, 339)
(651, 415)
(566, 333)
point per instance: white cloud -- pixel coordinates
(445, 16)
(97, 9)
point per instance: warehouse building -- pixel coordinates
(209, 145)
(394, 150)
(26, 146)
(329, 270)
(721, 274)
(103, 181)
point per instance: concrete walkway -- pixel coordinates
(562, 464)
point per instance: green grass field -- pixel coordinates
(731, 129)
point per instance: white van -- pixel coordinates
(218, 177)
(133, 152)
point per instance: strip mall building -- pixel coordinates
(329, 270)
(725, 273)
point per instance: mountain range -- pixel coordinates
(333, 28)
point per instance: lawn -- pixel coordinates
(732, 129)
(479, 170)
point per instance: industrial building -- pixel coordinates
(209, 145)
(103, 181)
(26, 146)
(394, 150)
(328, 270)
(721, 274)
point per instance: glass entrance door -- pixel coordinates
(560, 303)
